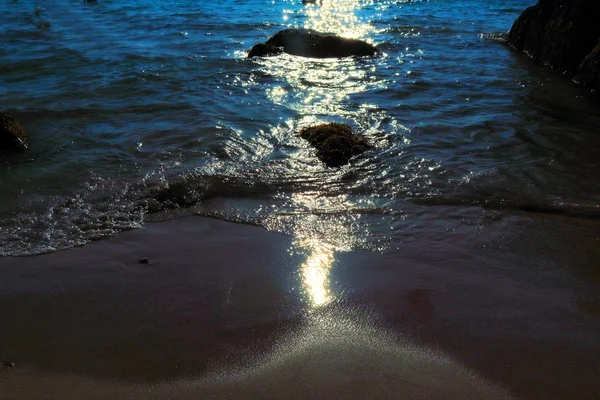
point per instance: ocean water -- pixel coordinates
(141, 110)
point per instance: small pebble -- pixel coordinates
(8, 364)
(144, 261)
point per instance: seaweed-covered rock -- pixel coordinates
(12, 136)
(559, 33)
(305, 43)
(262, 49)
(335, 143)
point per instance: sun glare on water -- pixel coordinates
(320, 238)
(338, 17)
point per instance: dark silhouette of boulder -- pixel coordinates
(12, 136)
(589, 70)
(559, 33)
(336, 144)
(261, 50)
(305, 43)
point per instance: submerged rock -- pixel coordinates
(12, 136)
(335, 143)
(305, 43)
(177, 194)
(561, 34)
(43, 25)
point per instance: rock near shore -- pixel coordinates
(12, 136)
(563, 34)
(263, 50)
(335, 143)
(305, 43)
(589, 70)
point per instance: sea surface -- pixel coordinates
(142, 110)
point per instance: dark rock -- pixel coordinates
(262, 49)
(559, 33)
(309, 44)
(144, 261)
(12, 136)
(335, 143)
(305, 43)
(589, 70)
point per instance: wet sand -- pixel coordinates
(225, 310)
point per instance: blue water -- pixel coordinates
(141, 109)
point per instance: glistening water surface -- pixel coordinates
(141, 106)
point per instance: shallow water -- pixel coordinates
(139, 107)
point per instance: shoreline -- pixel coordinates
(226, 300)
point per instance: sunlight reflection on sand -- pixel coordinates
(315, 271)
(331, 356)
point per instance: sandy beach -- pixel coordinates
(225, 310)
